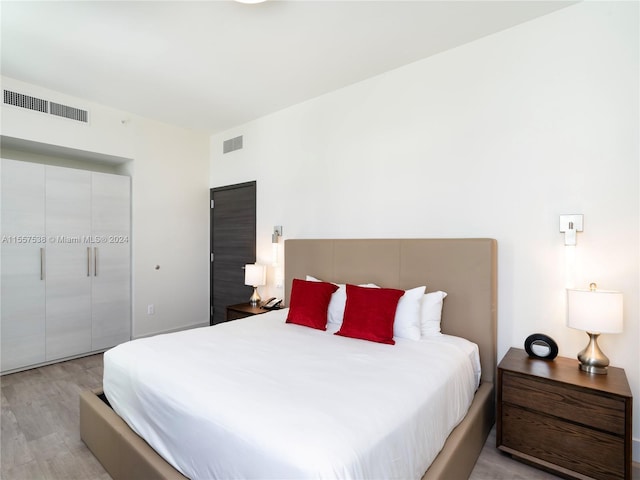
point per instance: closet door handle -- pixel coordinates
(88, 261)
(95, 261)
(42, 254)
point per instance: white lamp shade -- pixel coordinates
(255, 275)
(595, 311)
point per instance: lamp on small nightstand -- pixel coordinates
(255, 275)
(596, 312)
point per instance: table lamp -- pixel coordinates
(255, 275)
(594, 311)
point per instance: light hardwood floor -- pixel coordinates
(40, 437)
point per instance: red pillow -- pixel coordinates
(369, 313)
(309, 303)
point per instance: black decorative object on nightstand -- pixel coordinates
(546, 346)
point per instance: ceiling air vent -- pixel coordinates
(45, 106)
(26, 101)
(232, 144)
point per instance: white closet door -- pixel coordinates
(68, 265)
(22, 310)
(111, 220)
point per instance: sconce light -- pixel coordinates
(255, 275)
(570, 225)
(275, 237)
(277, 233)
(596, 312)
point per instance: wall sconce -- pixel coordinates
(255, 275)
(275, 237)
(570, 225)
(596, 312)
(277, 233)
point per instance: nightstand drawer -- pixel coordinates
(243, 310)
(580, 406)
(579, 449)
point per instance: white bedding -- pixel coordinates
(259, 398)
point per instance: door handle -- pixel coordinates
(95, 261)
(42, 255)
(88, 261)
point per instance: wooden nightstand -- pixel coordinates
(243, 310)
(558, 418)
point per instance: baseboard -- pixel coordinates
(171, 330)
(51, 362)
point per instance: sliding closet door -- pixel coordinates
(68, 262)
(22, 311)
(65, 262)
(111, 220)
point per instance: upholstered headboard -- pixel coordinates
(464, 268)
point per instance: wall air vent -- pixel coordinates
(26, 101)
(232, 144)
(69, 112)
(45, 106)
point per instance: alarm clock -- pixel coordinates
(539, 345)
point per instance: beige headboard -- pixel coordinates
(464, 268)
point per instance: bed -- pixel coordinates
(464, 268)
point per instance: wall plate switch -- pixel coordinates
(151, 309)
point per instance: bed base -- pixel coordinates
(126, 456)
(461, 450)
(122, 453)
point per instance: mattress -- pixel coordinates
(260, 398)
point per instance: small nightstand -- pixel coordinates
(558, 418)
(243, 310)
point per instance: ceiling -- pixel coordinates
(213, 65)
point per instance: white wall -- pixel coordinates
(170, 197)
(171, 228)
(496, 138)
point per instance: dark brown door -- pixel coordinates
(233, 245)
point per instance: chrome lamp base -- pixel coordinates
(255, 298)
(592, 360)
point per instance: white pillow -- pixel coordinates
(338, 302)
(406, 323)
(431, 313)
(407, 320)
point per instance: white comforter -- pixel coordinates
(259, 398)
